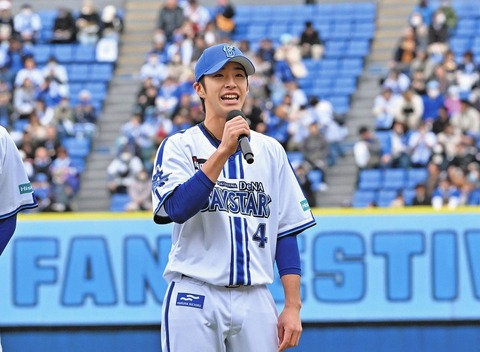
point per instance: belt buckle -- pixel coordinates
(232, 286)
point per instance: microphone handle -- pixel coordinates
(246, 149)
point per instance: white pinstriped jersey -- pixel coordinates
(232, 240)
(16, 191)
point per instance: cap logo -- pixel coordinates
(229, 50)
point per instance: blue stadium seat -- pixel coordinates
(370, 179)
(119, 201)
(98, 89)
(41, 53)
(295, 157)
(474, 198)
(78, 72)
(77, 147)
(341, 103)
(47, 17)
(63, 52)
(385, 197)
(85, 53)
(316, 179)
(416, 176)
(408, 195)
(79, 163)
(344, 86)
(102, 72)
(334, 49)
(363, 198)
(350, 67)
(357, 48)
(394, 179)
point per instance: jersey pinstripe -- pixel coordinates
(250, 207)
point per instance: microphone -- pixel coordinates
(243, 139)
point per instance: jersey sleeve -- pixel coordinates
(16, 192)
(172, 168)
(294, 211)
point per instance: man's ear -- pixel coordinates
(199, 89)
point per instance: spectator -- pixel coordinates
(398, 201)
(421, 143)
(225, 19)
(420, 29)
(56, 72)
(154, 69)
(88, 24)
(421, 197)
(288, 56)
(433, 100)
(367, 151)
(64, 29)
(6, 21)
(170, 19)
(24, 98)
(384, 109)
(425, 10)
(27, 24)
(85, 114)
(111, 23)
(408, 109)
(396, 154)
(315, 149)
(41, 162)
(12, 60)
(122, 170)
(452, 100)
(442, 120)
(50, 95)
(36, 130)
(311, 43)
(140, 192)
(467, 73)
(445, 195)
(30, 71)
(301, 171)
(197, 14)
(465, 154)
(438, 34)
(397, 81)
(467, 120)
(64, 118)
(65, 181)
(449, 138)
(405, 51)
(450, 14)
(6, 110)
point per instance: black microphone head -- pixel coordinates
(234, 113)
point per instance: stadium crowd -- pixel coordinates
(35, 100)
(426, 114)
(277, 106)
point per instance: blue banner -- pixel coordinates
(106, 269)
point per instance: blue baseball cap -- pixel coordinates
(215, 57)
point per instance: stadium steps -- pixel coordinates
(391, 20)
(139, 22)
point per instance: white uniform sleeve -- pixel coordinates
(16, 191)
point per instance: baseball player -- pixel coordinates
(232, 221)
(16, 191)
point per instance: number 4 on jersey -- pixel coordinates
(259, 236)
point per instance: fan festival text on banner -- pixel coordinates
(354, 268)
